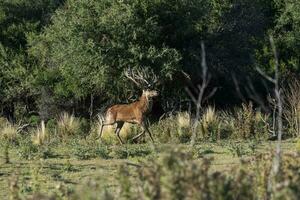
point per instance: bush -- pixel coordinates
(34, 120)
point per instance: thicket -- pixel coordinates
(58, 55)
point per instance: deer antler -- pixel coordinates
(143, 78)
(131, 76)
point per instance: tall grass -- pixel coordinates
(292, 107)
(68, 125)
(210, 124)
(41, 135)
(249, 124)
(184, 129)
(175, 128)
(242, 123)
(8, 131)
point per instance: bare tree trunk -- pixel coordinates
(200, 90)
(277, 158)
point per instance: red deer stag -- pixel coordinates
(134, 112)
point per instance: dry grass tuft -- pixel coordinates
(68, 125)
(184, 128)
(184, 120)
(41, 135)
(210, 124)
(8, 132)
(292, 107)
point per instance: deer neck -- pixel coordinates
(145, 103)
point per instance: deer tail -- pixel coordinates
(100, 119)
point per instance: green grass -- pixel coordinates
(67, 169)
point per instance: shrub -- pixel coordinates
(34, 120)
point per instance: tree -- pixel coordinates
(90, 43)
(287, 31)
(17, 19)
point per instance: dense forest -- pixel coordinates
(58, 55)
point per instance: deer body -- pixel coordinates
(131, 113)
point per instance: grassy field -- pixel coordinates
(61, 168)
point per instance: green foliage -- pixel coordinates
(126, 151)
(238, 149)
(86, 151)
(27, 149)
(58, 55)
(98, 41)
(17, 19)
(287, 31)
(177, 176)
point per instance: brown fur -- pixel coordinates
(131, 113)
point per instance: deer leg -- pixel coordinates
(101, 129)
(139, 135)
(118, 129)
(146, 128)
(100, 132)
